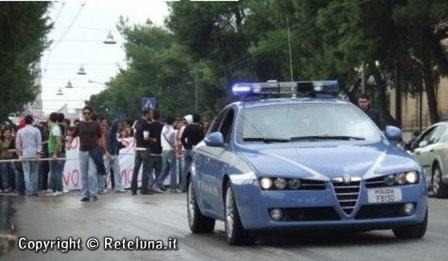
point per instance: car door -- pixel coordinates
(219, 162)
(422, 149)
(438, 148)
(205, 163)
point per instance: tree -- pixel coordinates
(214, 35)
(23, 27)
(157, 67)
(426, 25)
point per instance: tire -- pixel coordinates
(235, 233)
(198, 223)
(439, 189)
(412, 231)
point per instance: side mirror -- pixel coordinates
(423, 143)
(393, 133)
(214, 139)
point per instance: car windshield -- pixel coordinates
(305, 122)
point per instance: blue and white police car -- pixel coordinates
(306, 161)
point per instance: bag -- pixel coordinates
(173, 146)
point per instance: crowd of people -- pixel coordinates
(32, 156)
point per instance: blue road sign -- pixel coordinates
(149, 102)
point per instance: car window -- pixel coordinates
(424, 137)
(226, 126)
(302, 120)
(217, 121)
(437, 134)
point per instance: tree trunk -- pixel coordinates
(429, 88)
(381, 87)
(397, 95)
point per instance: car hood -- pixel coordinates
(327, 162)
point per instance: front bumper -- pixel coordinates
(321, 208)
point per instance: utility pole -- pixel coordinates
(363, 78)
(290, 50)
(196, 89)
(421, 108)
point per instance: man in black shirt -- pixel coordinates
(155, 130)
(142, 153)
(192, 135)
(364, 104)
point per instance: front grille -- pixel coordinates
(381, 211)
(309, 214)
(347, 194)
(312, 185)
(376, 183)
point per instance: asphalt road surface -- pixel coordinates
(163, 217)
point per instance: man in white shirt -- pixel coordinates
(29, 146)
(168, 142)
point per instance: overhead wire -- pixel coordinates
(64, 34)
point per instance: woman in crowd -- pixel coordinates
(6, 168)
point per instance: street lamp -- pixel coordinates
(81, 71)
(69, 85)
(109, 39)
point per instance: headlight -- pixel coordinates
(265, 183)
(294, 183)
(280, 183)
(411, 177)
(389, 180)
(400, 178)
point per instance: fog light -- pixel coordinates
(276, 214)
(409, 209)
(265, 183)
(280, 183)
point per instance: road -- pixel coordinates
(161, 216)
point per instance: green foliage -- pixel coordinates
(158, 67)
(23, 27)
(214, 44)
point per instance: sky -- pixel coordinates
(77, 39)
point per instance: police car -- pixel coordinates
(309, 160)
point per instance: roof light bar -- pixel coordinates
(274, 87)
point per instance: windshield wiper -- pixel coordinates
(326, 137)
(266, 140)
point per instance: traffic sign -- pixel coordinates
(149, 102)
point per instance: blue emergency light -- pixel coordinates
(278, 88)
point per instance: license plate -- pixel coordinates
(384, 195)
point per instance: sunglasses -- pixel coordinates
(87, 113)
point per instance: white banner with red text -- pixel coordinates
(72, 174)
